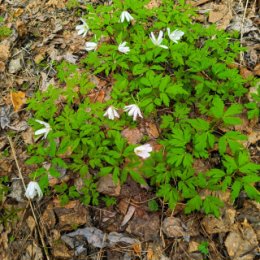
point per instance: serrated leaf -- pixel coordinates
(252, 192)
(137, 177)
(165, 99)
(193, 204)
(235, 189)
(212, 205)
(230, 164)
(232, 120)
(199, 124)
(217, 109)
(233, 110)
(250, 168)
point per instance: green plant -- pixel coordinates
(3, 187)
(4, 32)
(204, 248)
(109, 201)
(153, 205)
(188, 88)
(72, 4)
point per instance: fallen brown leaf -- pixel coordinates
(2, 66)
(153, 4)
(4, 52)
(56, 3)
(18, 100)
(245, 73)
(128, 216)
(133, 136)
(137, 249)
(221, 13)
(256, 70)
(152, 130)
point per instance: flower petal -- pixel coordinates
(40, 131)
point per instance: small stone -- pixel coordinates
(107, 186)
(59, 250)
(173, 227)
(15, 65)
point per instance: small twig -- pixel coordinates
(241, 34)
(30, 202)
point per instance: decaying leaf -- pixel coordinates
(18, 100)
(4, 52)
(5, 117)
(137, 249)
(132, 135)
(221, 14)
(152, 130)
(97, 238)
(128, 216)
(56, 3)
(153, 4)
(97, 96)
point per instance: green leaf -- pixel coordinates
(231, 138)
(199, 124)
(233, 110)
(250, 168)
(212, 205)
(252, 192)
(230, 164)
(193, 204)
(235, 189)
(232, 120)
(139, 69)
(217, 109)
(165, 99)
(35, 159)
(137, 177)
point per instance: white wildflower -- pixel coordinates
(143, 151)
(134, 111)
(111, 113)
(45, 130)
(33, 190)
(90, 46)
(123, 48)
(159, 40)
(82, 28)
(126, 16)
(176, 35)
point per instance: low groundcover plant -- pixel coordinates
(182, 79)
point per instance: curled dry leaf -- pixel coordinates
(18, 100)
(128, 216)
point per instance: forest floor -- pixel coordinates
(43, 32)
